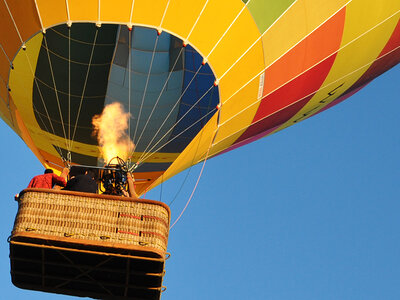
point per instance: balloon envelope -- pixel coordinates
(198, 78)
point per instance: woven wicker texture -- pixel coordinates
(90, 218)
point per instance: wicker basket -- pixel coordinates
(78, 230)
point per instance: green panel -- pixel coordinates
(265, 12)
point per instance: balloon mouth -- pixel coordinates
(164, 83)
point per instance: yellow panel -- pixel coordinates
(299, 21)
(240, 73)
(147, 12)
(5, 112)
(4, 107)
(87, 10)
(237, 114)
(236, 60)
(214, 21)
(25, 17)
(21, 84)
(112, 13)
(237, 41)
(27, 138)
(359, 48)
(226, 135)
(4, 66)
(21, 79)
(194, 152)
(52, 12)
(181, 16)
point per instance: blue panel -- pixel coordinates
(193, 112)
(162, 119)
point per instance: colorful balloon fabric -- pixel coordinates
(199, 78)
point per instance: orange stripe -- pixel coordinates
(9, 38)
(128, 232)
(25, 16)
(130, 216)
(318, 45)
(4, 66)
(156, 218)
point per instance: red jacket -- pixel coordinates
(46, 181)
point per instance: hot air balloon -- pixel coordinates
(198, 78)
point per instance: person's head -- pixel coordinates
(48, 171)
(90, 173)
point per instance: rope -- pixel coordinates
(7, 103)
(173, 126)
(57, 147)
(56, 92)
(229, 27)
(188, 172)
(161, 186)
(170, 112)
(159, 96)
(9, 111)
(69, 87)
(165, 12)
(98, 13)
(258, 74)
(261, 36)
(39, 16)
(197, 182)
(12, 19)
(82, 42)
(339, 79)
(64, 93)
(84, 86)
(68, 15)
(130, 17)
(259, 100)
(74, 61)
(129, 83)
(197, 20)
(149, 155)
(145, 87)
(5, 54)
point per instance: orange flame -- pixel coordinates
(110, 128)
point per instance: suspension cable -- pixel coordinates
(188, 172)
(57, 147)
(298, 100)
(69, 87)
(201, 172)
(197, 20)
(170, 112)
(298, 75)
(226, 31)
(150, 154)
(129, 78)
(173, 126)
(55, 90)
(159, 96)
(145, 87)
(84, 86)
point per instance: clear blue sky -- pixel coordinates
(311, 212)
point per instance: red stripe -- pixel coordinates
(286, 91)
(128, 232)
(281, 105)
(143, 232)
(156, 234)
(388, 58)
(156, 218)
(130, 216)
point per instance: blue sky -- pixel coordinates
(311, 212)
